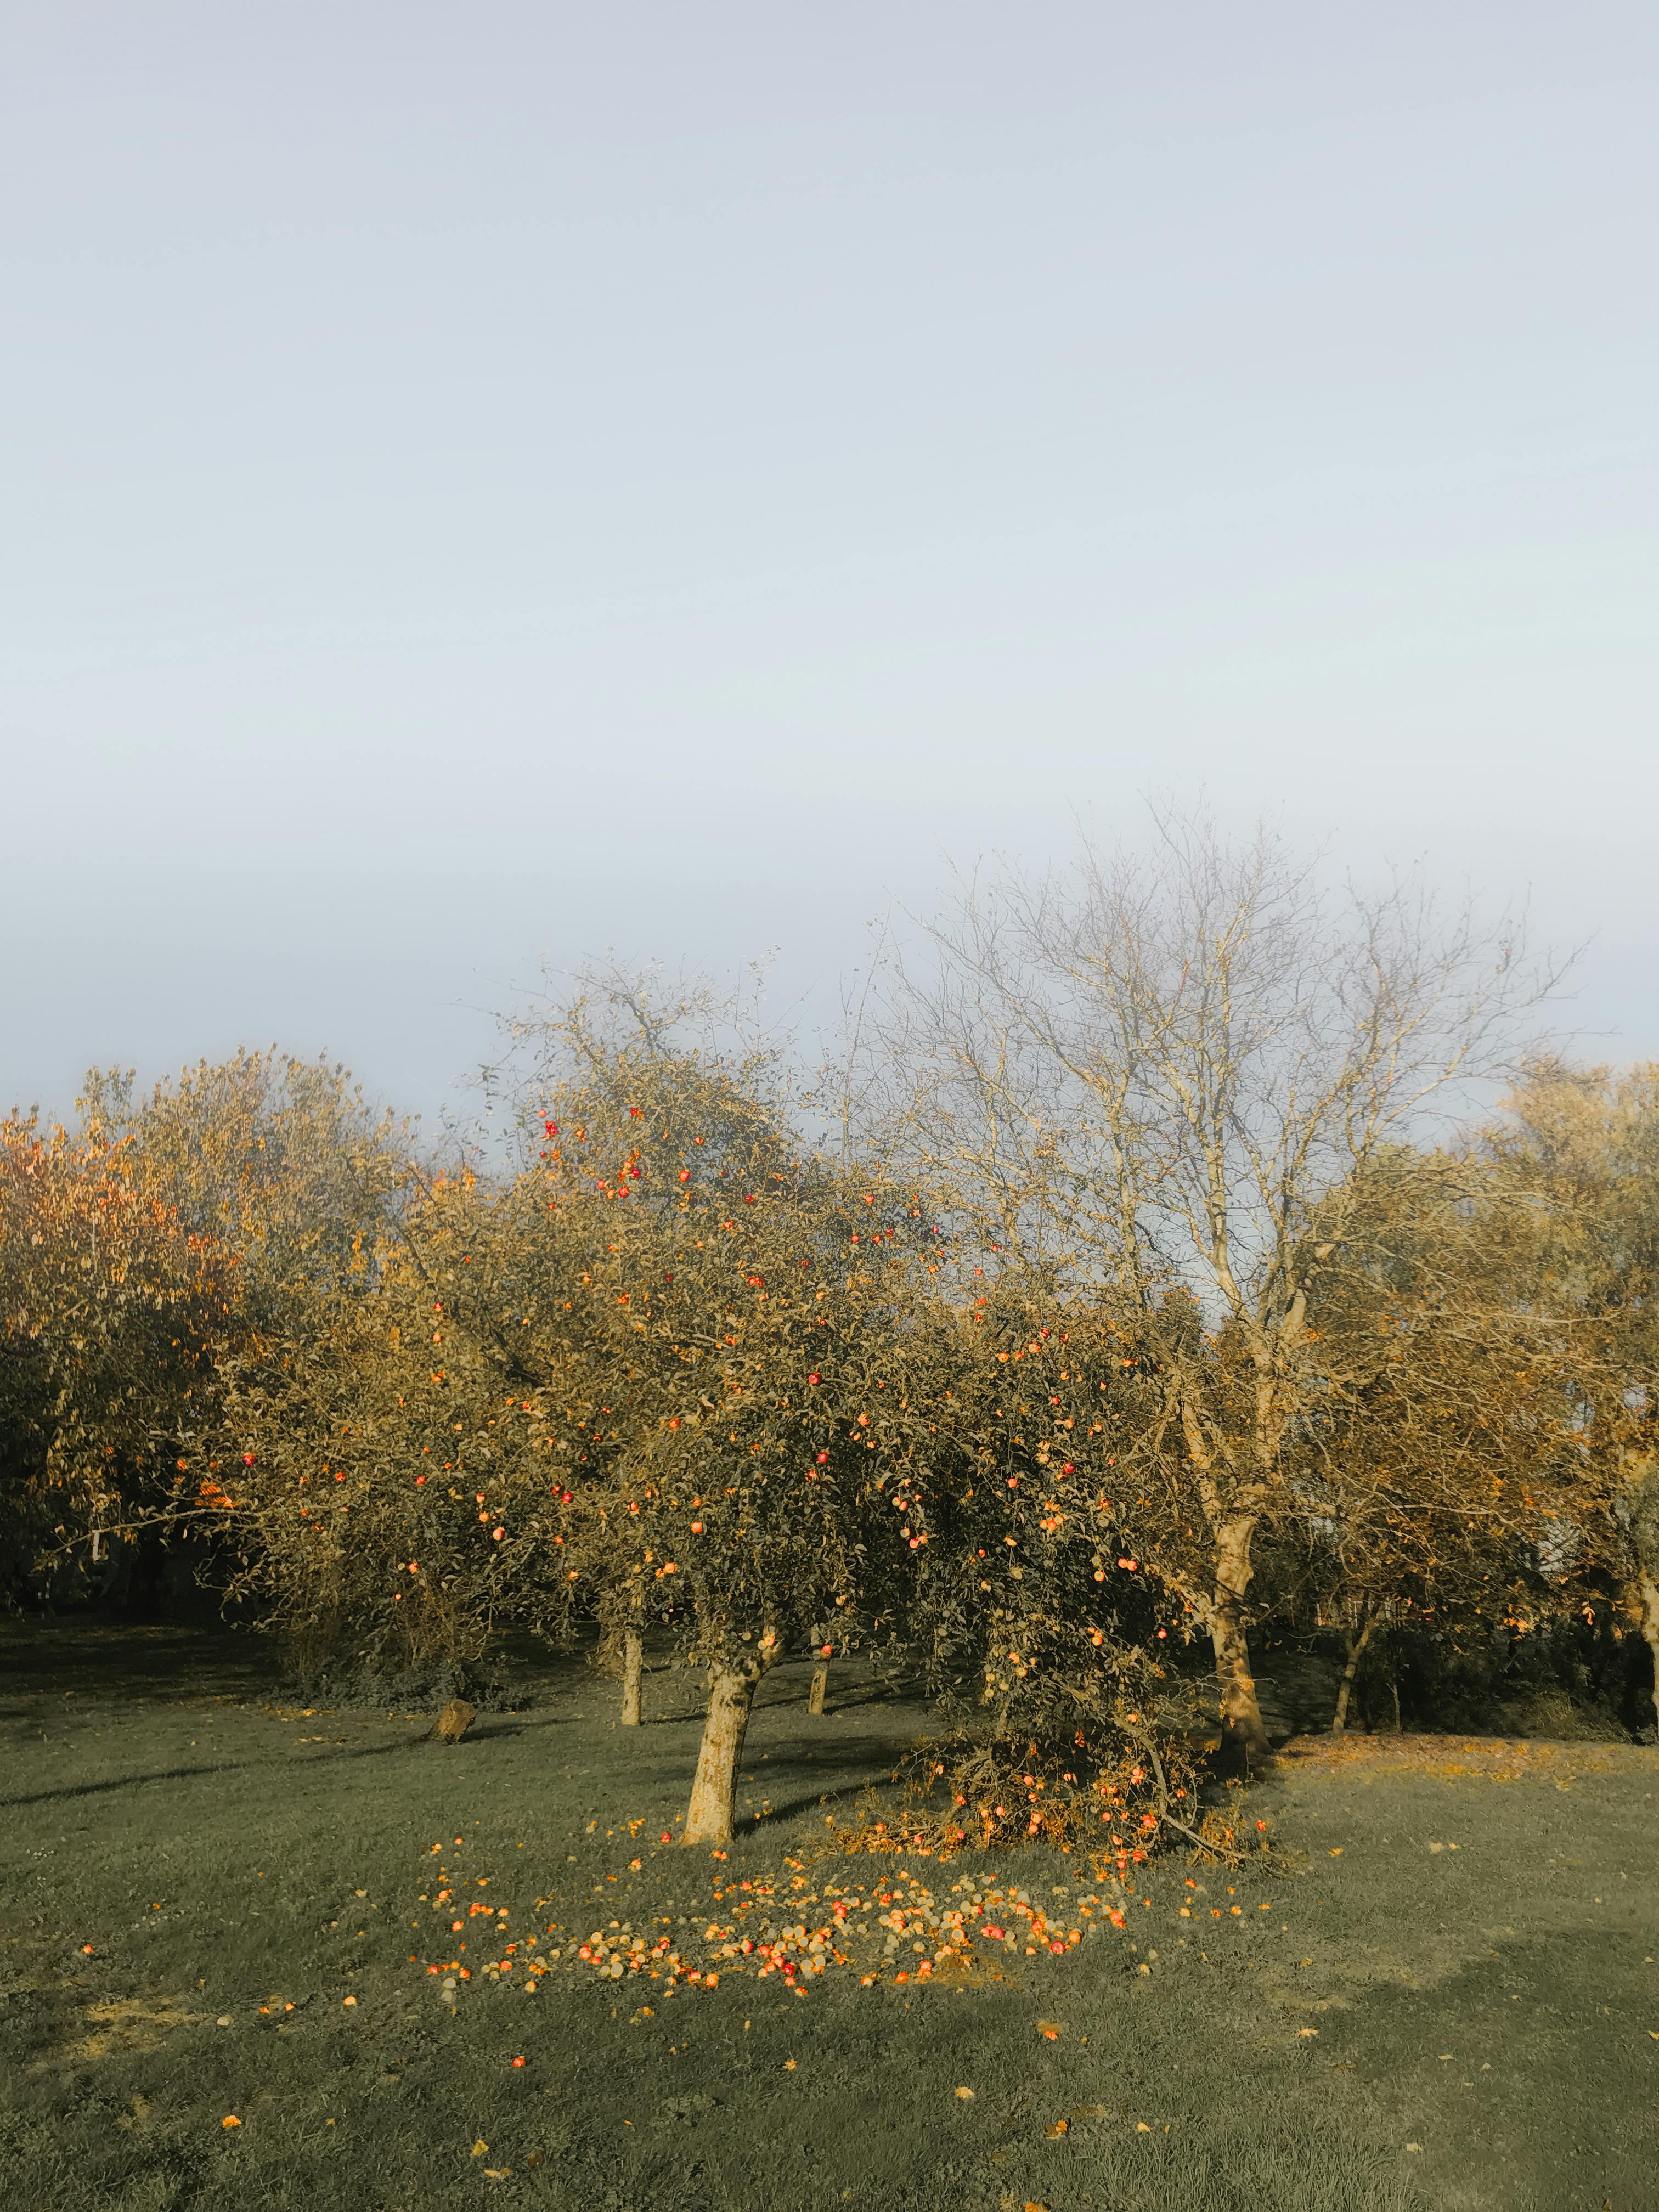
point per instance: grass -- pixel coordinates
(1401, 2027)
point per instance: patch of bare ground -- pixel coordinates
(1472, 1758)
(128, 2024)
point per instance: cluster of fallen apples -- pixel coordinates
(904, 1926)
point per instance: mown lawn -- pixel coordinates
(1401, 2026)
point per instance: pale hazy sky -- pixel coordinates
(490, 482)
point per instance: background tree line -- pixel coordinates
(1139, 1280)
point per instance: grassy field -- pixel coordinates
(1439, 1990)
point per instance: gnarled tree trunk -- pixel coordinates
(816, 1695)
(709, 1816)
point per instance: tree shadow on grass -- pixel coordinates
(215, 1768)
(810, 1787)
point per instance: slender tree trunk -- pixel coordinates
(1649, 1585)
(633, 1667)
(710, 1814)
(1356, 1647)
(1241, 1713)
(819, 1690)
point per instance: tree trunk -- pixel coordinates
(633, 1667)
(1356, 1646)
(709, 1817)
(816, 1695)
(1649, 1585)
(1240, 1714)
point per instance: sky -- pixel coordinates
(486, 486)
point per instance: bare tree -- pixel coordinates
(1139, 1080)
